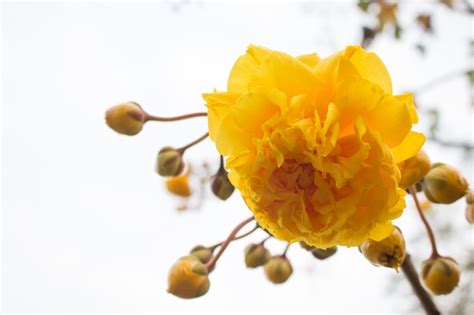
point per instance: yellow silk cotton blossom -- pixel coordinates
(313, 144)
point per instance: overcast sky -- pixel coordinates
(87, 224)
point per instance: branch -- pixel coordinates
(452, 144)
(442, 79)
(425, 298)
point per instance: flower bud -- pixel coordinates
(306, 246)
(204, 254)
(440, 275)
(323, 253)
(188, 278)
(414, 169)
(256, 255)
(126, 118)
(389, 252)
(444, 184)
(470, 197)
(470, 206)
(278, 269)
(169, 162)
(179, 185)
(221, 186)
(470, 213)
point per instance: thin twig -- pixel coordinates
(149, 117)
(212, 263)
(182, 149)
(213, 247)
(434, 249)
(425, 298)
(442, 79)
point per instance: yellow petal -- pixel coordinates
(408, 100)
(409, 146)
(370, 67)
(392, 119)
(245, 67)
(218, 105)
(310, 60)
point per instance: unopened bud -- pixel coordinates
(323, 253)
(278, 269)
(169, 162)
(440, 275)
(188, 278)
(414, 169)
(389, 252)
(179, 185)
(204, 254)
(470, 206)
(444, 184)
(126, 118)
(221, 186)
(256, 255)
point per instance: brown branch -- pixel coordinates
(425, 298)
(442, 79)
(213, 247)
(193, 143)
(212, 263)
(434, 249)
(149, 117)
(452, 144)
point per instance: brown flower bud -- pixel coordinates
(278, 269)
(323, 253)
(414, 169)
(389, 252)
(169, 162)
(126, 118)
(188, 278)
(221, 186)
(440, 275)
(256, 255)
(204, 254)
(444, 184)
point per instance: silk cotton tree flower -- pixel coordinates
(313, 144)
(322, 153)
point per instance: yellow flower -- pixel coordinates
(179, 185)
(313, 144)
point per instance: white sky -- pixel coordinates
(87, 225)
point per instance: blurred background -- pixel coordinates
(88, 225)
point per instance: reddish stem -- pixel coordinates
(434, 252)
(212, 263)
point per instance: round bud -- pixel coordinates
(470, 213)
(470, 197)
(126, 118)
(389, 252)
(256, 255)
(440, 275)
(323, 253)
(204, 254)
(306, 246)
(414, 169)
(278, 269)
(179, 185)
(444, 184)
(221, 186)
(188, 278)
(169, 162)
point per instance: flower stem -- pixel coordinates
(149, 117)
(286, 250)
(212, 263)
(425, 298)
(193, 143)
(434, 249)
(213, 247)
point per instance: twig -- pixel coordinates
(425, 298)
